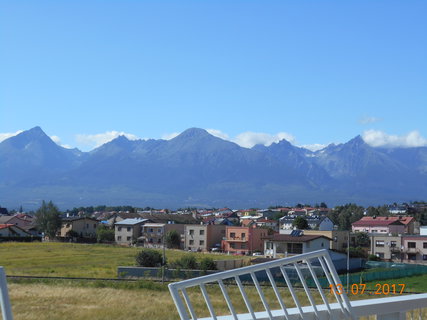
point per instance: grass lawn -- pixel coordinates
(66, 300)
(75, 260)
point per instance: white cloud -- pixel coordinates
(218, 133)
(56, 139)
(96, 140)
(169, 136)
(7, 135)
(378, 138)
(249, 139)
(314, 147)
(368, 120)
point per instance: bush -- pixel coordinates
(149, 258)
(187, 261)
(207, 264)
(104, 234)
(373, 257)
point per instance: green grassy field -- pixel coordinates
(75, 260)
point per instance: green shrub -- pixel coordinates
(187, 261)
(207, 264)
(149, 258)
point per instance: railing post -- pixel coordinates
(392, 316)
(6, 309)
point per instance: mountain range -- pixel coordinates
(198, 169)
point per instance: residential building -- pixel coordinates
(339, 239)
(386, 247)
(314, 222)
(11, 231)
(128, 231)
(283, 245)
(82, 227)
(153, 233)
(244, 240)
(384, 225)
(414, 248)
(203, 237)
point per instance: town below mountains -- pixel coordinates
(196, 169)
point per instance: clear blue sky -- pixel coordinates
(316, 71)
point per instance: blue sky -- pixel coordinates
(313, 72)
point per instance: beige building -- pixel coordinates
(152, 233)
(414, 249)
(128, 231)
(203, 237)
(339, 240)
(386, 247)
(283, 245)
(82, 227)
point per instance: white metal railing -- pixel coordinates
(6, 309)
(302, 264)
(392, 308)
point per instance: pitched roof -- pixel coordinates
(382, 221)
(5, 226)
(130, 222)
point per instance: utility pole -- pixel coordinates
(348, 260)
(164, 256)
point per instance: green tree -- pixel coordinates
(173, 239)
(149, 258)
(187, 261)
(48, 219)
(300, 223)
(362, 239)
(104, 234)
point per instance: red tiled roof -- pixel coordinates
(382, 221)
(4, 226)
(303, 238)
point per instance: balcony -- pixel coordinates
(296, 273)
(236, 239)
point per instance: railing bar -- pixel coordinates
(307, 289)
(245, 297)
(319, 288)
(208, 301)
(5, 307)
(334, 275)
(227, 299)
(276, 291)
(179, 304)
(331, 282)
(291, 289)
(189, 305)
(261, 295)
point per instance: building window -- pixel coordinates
(159, 240)
(202, 232)
(379, 243)
(232, 235)
(191, 232)
(243, 236)
(191, 242)
(128, 238)
(294, 248)
(94, 225)
(119, 229)
(159, 230)
(380, 255)
(119, 238)
(425, 257)
(150, 230)
(412, 245)
(202, 242)
(425, 245)
(412, 256)
(128, 229)
(232, 245)
(393, 244)
(243, 246)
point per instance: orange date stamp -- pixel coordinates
(360, 288)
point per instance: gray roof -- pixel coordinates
(131, 222)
